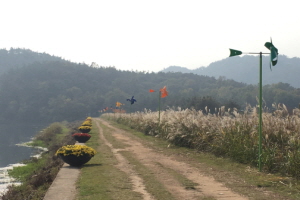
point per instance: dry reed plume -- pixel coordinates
(227, 133)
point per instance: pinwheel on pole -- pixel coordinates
(132, 100)
(118, 105)
(162, 94)
(273, 61)
(118, 108)
(105, 109)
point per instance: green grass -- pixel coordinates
(154, 187)
(33, 164)
(37, 143)
(24, 172)
(99, 178)
(53, 134)
(186, 183)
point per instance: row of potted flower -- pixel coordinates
(85, 128)
(77, 155)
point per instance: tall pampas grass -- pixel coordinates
(228, 133)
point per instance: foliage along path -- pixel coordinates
(165, 169)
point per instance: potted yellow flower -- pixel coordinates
(86, 123)
(84, 129)
(75, 155)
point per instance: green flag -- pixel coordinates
(234, 52)
(274, 52)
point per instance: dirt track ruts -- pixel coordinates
(160, 166)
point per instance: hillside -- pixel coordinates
(60, 90)
(16, 58)
(245, 69)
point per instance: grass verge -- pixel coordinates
(100, 179)
(152, 185)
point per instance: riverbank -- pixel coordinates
(39, 172)
(13, 135)
(6, 180)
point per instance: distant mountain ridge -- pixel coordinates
(245, 69)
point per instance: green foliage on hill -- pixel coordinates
(16, 58)
(61, 90)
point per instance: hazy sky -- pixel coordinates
(149, 35)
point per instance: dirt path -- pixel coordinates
(161, 167)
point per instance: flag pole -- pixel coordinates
(260, 112)
(274, 58)
(159, 93)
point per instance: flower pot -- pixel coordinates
(84, 130)
(81, 139)
(75, 161)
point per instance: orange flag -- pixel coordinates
(151, 90)
(163, 92)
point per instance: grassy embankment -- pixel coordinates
(101, 180)
(38, 174)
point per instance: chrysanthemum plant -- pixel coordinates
(84, 128)
(77, 150)
(87, 123)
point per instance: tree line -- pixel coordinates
(60, 90)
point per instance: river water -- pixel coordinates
(11, 152)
